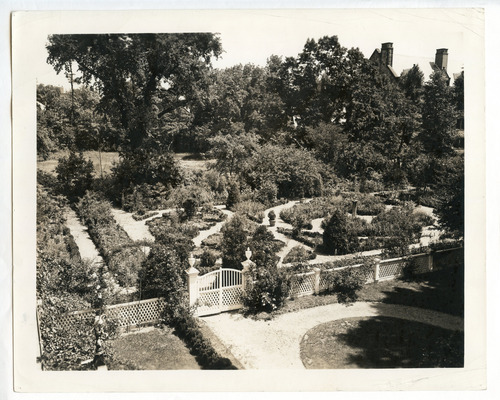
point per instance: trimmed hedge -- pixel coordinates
(207, 357)
(119, 252)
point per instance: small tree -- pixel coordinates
(162, 275)
(233, 196)
(264, 248)
(234, 241)
(190, 206)
(74, 175)
(337, 238)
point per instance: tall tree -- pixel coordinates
(412, 84)
(316, 83)
(141, 77)
(439, 116)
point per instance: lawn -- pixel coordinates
(381, 342)
(106, 158)
(186, 160)
(151, 349)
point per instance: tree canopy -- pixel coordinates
(141, 77)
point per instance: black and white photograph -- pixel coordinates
(277, 191)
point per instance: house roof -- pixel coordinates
(435, 68)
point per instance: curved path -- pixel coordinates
(137, 230)
(214, 229)
(275, 344)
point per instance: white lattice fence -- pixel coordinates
(68, 320)
(390, 269)
(126, 314)
(303, 284)
(137, 312)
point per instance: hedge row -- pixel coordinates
(186, 327)
(120, 253)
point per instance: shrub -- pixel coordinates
(190, 206)
(400, 226)
(144, 196)
(149, 168)
(299, 254)
(47, 180)
(213, 241)
(271, 215)
(264, 248)
(74, 175)
(268, 289)
(267, 193)
(337, 238)
(208, 258)
(347, 282)
(140, 216)
(65, 347)
(186, 327)
(162, 275)
(251, 209)
(234, 241)
(119, 252)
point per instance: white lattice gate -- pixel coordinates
(219, 291)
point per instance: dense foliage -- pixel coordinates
(337, 238)
(65, 283)
(122, 256)
(74, 175)
(325, 124)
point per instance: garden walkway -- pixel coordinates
(289, 242)
(275, 344)
(214, 229)
(136, 230)
(82, 238)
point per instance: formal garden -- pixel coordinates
(184, 172)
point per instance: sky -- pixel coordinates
(251, 36)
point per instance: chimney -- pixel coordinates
(442, 58)
(386, 54)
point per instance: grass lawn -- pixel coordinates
(186, 161)
(381, 342)
(151, 349)
(107, 160)
(439, 291)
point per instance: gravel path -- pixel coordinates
(137, 230)
(275, 344)
(289, 242)
(82, 238)
(214, 229)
